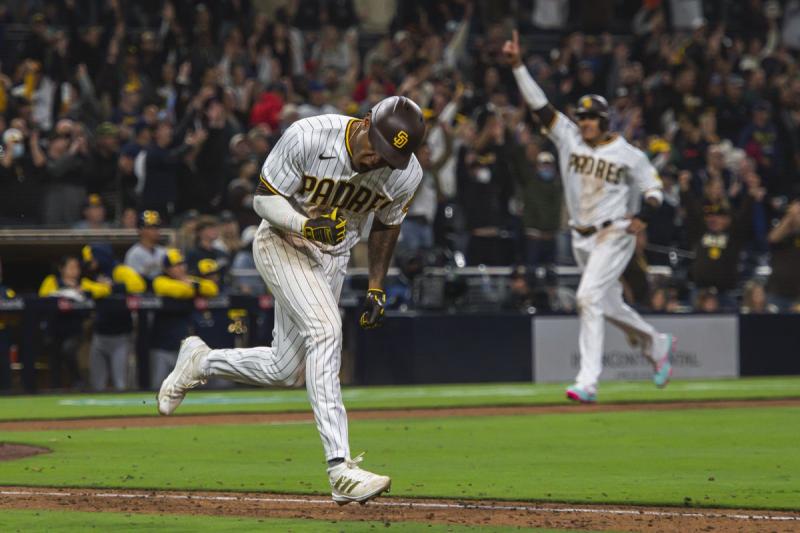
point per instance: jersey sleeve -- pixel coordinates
(643, 174)
(394, 213)
(49, 285)
(172, 288)
(562, 130)
(134, 283)
(282, 172)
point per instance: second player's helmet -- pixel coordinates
(593, 104)
(396, 129)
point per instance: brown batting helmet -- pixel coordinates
(396, 130)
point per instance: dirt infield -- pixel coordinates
(387, 510)
(10, 451)
(378, 414)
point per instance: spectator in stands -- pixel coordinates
(486, 184)
(759, 139)
(416, 233)
(162, 161)
(520, 295)
(146, 257)
(246, 279)
(542, 198)
(21, 178)
(228, 241)
(317, 102)
(732, 109)
(104, 276)
(65, 327)
(206, 234)
(689, 147)
(129, 218)
(707, 301)
(209, 181)
(754, 299)
(375, 75)
(127, 177)
(94, 214)
(715, 169)
(103, 167)
(715, 235)
(67, 159)
(172, 324)
(658, 300)
(240, 193)
(187, 230)
(783, 287)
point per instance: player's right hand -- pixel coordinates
(511, 50)
(328, 229)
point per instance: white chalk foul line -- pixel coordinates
(417, 505)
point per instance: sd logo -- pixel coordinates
(400, 139)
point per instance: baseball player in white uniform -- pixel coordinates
(604, 179)
(319, 184)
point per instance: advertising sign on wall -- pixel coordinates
(708, 347)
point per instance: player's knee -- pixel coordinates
(327, 326)
(588, 302)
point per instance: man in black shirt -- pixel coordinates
(783, 288)
(716, 235)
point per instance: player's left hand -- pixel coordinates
(372, 312)
(637, 225)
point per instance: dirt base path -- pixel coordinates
(378, 414)
(388, 510)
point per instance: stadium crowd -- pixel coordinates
(118, 114)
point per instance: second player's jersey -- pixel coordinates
(602, 182)
(311, 166)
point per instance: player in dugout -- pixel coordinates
(104, 276)
(172, 325)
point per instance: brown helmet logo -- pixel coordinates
(400, 139)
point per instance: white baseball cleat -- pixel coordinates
(349, 483)
(184, 376)
(664, 353)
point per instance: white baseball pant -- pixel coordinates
(603, 258)
(307, 337)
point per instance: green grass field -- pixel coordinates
(732, 457)
(79, 522)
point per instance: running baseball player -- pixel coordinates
(604, 177)
(319, 185)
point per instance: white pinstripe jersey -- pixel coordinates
(310, 165)
(604, 182)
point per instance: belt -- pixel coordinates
(586, 231)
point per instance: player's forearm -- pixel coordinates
(380, 247)
(533, 94)
(277, 210)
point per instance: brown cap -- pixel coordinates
(396, 130)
